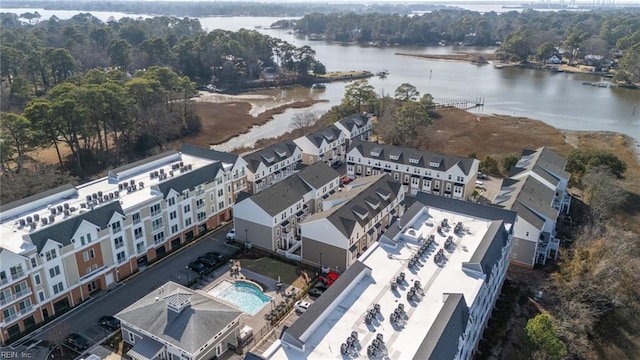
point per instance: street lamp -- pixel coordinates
(246, 239)
(187, 268)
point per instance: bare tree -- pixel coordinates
(302, 122)
(56, 336)
(603, 192)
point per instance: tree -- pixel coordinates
(407, 118)
(517, 47)
(542, 332)
(359, 96)
(579, 162)
(489, 166)
(629, 67)
(572, 43)
(301, 122)
(406, 92)
(545, 51)
(427, 100)
(509, 162)
(603, 192)
(16, 131)
(120, 53)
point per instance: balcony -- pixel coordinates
(7, 300)
(18, 275)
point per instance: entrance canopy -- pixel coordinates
(145, 349)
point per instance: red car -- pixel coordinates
(345, 180)
(329, 278)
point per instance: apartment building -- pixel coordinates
(356, 127)
(271, 219)
(59, 247)
(271, 164)
(175, 322)
(326, 145)
(549, 168)
(537, 191)
(411, 296)
(351, 221)
(446, 175)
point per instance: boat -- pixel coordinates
(600, 84)
(318, 86)
(382, 73)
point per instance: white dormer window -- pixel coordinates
(394, 157)
(434, 164)
(413, 161)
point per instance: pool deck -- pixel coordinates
(261, 327)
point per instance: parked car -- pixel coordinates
(207, 260)
(479, 183)
(109, 322)
(329, 278)
(336, 164)
(76, 342)
(345, 180)
(301, 306)
(482, 176)
(231, 235)
(216, 255)
(198, 267)
(317, 290)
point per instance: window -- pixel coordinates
(20, 289)
(85, 256)
(88, 238)
(155, 209)
(115, 227)
(185, 194)
(41, 296)
(37, 279)
(140, 248)
(199, 204)
(117, 242)
(58, 288)
(82, 240)
(156, 224)
(51, 254)
(221, 205)
(213, 209)
(173, 215)
(54, 271)
(137, 232)
(4, 295)
(171, 201)
(9, 312)
(220, 192)
(34, 263)
(174, 229)
(187, 222)
(136, 218)
(159, 237)
(121, 257)
(202, 216)
(187, 208)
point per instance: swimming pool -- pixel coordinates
(247, 296)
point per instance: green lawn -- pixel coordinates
(271, 268)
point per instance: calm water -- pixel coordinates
(558, 99)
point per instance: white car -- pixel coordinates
(231, 235)
(301, 306)
(479, 183)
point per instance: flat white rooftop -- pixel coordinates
(387, 262)
(62, 206)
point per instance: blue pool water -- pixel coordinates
(248, 297)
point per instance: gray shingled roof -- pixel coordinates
(405, 154)
(508, 199)
(143, 161)
(255, 158)
(489, 251)
(535, 197)
(280, 196)
(300, 326)
(318, 174)
(321, 135)
(210, 154)
(344, 217)
(63, 231)
(189, 329)
(465, 207)
(351, 122)
(35, 197)
(441, 342)
(551, 161)
(190, 179)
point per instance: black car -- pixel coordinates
(336, 164)
(109, 322)
(315, 292)
(198, 267)
(207, 260)
(76, 342)
(215, 255)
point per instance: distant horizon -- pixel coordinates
(434, 2)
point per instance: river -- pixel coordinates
(558, 99)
